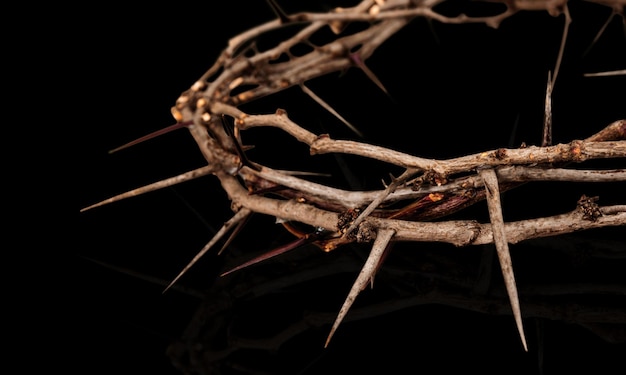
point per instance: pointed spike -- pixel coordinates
(606, 74)
(380, 263)
(379, 199)
(187, 176)
(600, 32)
(568, 20)
(239, 216)
(356, 59)
(383, 238)
(270, 254)
(234, 234)
(502, 247)
(303, 173)
(155, 134)
(330, 109)
(280, 13)
(547, 115)
(240, 151)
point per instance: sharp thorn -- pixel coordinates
(393, 185)
(270, 254)
(155, 134)
(202, 171)
(547, 115)
(240, 152)
(600, 32)
(502, 248)
(234, 234)
(239, 216)
(280, 13)
(568, 20)
(330, 109)
(356, 59)
(383, 238)
(606, 74)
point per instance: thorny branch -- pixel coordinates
(428, 189)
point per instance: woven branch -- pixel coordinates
(405, 207)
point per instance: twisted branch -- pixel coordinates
(427, 190)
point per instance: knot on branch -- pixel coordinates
(365, 232)
(589, 207)
(576, 151)
(430, 177)
(346, 219)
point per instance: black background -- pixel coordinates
(455, 89)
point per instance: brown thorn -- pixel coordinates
(502, 247)
(383, 238)
(239, 148)
(155, 134)
(234, 234)
(393, 185)
(600, 32)
(303, 238)
(270, 254)
(610, 73)
(239, 216)
(330, 109)
(280, 13)
(356, 59)
(568, 20)
(187, 176)
(547, 115)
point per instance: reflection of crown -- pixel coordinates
(215, 112)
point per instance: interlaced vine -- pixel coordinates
(409, 206)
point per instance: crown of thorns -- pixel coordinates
(404, 207)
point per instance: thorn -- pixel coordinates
(270, 254)
(155, 134)
(606, 74)
(187, 176)
(234, 234)
(502, 247)
(356, 59)
(380, 263)
(383, 238)
(330, 109)
(547, 115)
(600, 32)
(568, 20)
(303, 173)
(280, 13)
(240, 152)
(239, 216)
(393, 185)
